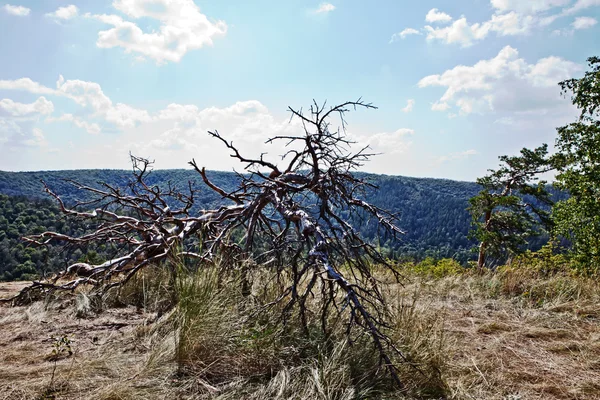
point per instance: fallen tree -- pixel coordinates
(293, 218)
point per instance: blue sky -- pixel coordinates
(456, 83)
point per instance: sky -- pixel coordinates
(456, 83)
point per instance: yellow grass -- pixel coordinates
(508, 335)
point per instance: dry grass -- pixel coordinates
(510, 335)
(537, 341)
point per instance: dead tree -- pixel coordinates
(295, 217)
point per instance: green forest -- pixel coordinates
(433, 214)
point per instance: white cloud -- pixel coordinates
(547, 72)
(401, 35)
(584, 23)
(183, 28)
(505, 83)
(456, 156)
(511, 18)
(174, 134)
(511, 24)
(176, 129)
(19, 11)
(435, 16)
(182, 130)
(37, 139)
(325, 8)
(579, 24)
(25, 84)
(86, 94)
(387, 142)
(17, 123)
(460, 32)
(16, 133)
(581, 5)
(14, 109)
(64, 13)
(409, 106)
(440, 106)
(465, 34)
(527, 6)
(91, 128)
(90, 94)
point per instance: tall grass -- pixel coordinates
(526, 330)
(240, 349)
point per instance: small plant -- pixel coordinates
(61, 348)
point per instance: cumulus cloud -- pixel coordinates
(387, 142)
(14, 109)
(325, 8)
(529, 6)
(510, 18)
(465, 34)
(37, 139)
(440, 106)
(505, 83)
(410, 103)
(17, 133)
(86, 94)
(184, 128)
(435, 16)
(584, 23)
(460, 32)
(90, 95)
(64, 13)
(19, 11)
(18, 120)
(183, 28)
(581, 5)
(401, 35)
(579, 23)
(174, 134)
(25, 84)
(91, 128)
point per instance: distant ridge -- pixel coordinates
(433, 211)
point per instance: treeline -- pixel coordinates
(21, 216)
(432, 212)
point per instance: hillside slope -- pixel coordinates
(433, 211)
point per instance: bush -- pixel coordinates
(437, 268)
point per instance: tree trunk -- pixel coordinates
(483, 245)
(481, 257)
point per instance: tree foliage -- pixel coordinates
(578, 164)
(21, 216)
(503, 215)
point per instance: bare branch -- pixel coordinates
(300, 216)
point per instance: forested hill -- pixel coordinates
(433, 211)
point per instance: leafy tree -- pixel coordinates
(578, 163)
(503, 217)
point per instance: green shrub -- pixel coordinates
(437, 268)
